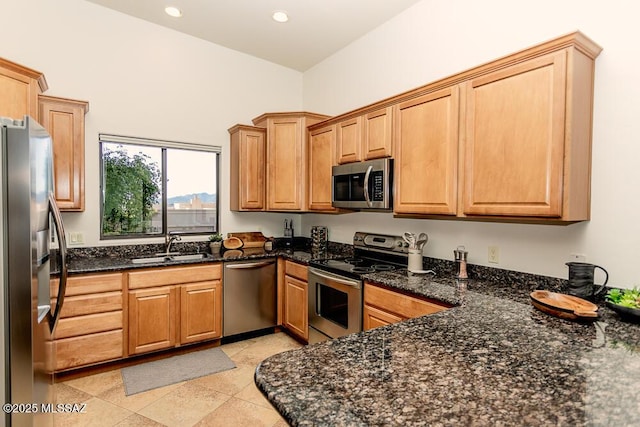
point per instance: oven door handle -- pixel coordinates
(367, 176)
(352, 283)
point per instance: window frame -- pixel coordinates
(163, 145)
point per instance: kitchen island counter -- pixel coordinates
(493, 359)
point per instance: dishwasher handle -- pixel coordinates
(249, 265)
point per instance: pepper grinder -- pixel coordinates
(461, 262)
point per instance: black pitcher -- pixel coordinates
(581, 280)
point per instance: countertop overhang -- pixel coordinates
(493, 359)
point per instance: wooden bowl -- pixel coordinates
(564, 306)
(232, 243)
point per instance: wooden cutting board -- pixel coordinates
(251, 239)
(564, 306)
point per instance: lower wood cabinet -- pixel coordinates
(198, 321)
(172, 306)
(295, 299)
(384, 306)
(91, 328)
(152, 319)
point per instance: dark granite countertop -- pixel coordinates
(116, 262)
(493, 359)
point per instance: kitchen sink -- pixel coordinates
(168, 258)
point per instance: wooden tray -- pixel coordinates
(251, 239)
(564, 306)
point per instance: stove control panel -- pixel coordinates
(380, 242)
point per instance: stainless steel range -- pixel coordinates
(335, 285)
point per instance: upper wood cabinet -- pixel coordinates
(528, 138)
(321, 160)
(248, 168)
(365, 137)
(378, 134)
(19, 90)
(287, 147)
(64, 120)
(426, 144)
(349, 140)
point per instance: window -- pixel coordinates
(152, 187)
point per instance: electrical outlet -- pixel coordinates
(574, 257)
(76, 238)
(494, 255)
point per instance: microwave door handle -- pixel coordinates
(367, 176)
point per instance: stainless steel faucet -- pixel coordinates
(169, 239)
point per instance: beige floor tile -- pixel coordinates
(252, 394)
(265, 347)
(240, 413)
(135, 402)
(98, 413)
(228, 382)
(97, 383)
(137, 420)
(184, 406)
(67, 394)
(233, 348)
(281, 423)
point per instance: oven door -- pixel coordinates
(335, 305)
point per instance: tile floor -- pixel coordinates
(228, 398)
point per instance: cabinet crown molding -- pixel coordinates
(21, 69)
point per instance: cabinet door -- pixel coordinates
(515, 140)
(152, 319)
(286, 164)
(296, 307)
(373, 317)
(426, 144)
(321, 160)
(248, 168)
(349, 140)
(378, 134)
(64, 120)
(19, 89)
(200, 311)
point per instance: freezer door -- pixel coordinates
(27, 184)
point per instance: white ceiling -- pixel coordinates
(316, 28)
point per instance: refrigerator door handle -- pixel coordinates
(62, 247)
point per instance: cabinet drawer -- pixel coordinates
(402, 305)
(89, 324)
(296, 270)
(174, 275)
(89, 304)
(89, 284)
(88, 349)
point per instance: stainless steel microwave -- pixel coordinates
(363, 185)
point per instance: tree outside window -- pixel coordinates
(150, 189)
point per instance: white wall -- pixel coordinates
(437, 38)
(144, 80)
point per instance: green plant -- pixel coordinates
(625, 297)
(217, 237)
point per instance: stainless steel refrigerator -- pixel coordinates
(32, 241)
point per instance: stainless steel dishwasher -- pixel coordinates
(249, 295)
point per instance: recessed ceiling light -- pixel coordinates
(173, 11)
(280, 16)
